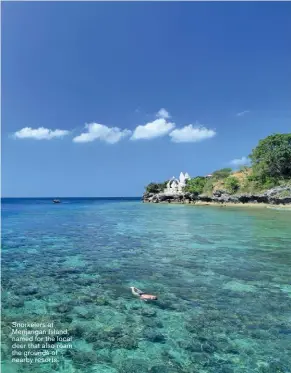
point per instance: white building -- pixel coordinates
(175, 186)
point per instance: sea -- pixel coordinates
(222, 277)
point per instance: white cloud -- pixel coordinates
(242, 113)
(240, 161)
(157, 128)
(191, 134)
(40, 133)
(163, 113)
(96, 131)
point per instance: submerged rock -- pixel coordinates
(77, 331)
(209, 347)
(154, 336)
(126, 342)
(274, 367)
(102, 301)
(167, 305)
(63, 308)
(17, 303)
(113, 338)
(133, 366)
(148, 312)
(193, 346)
(82, 359)
(66, 319)
(91, 336)
(29, 290)
(163, 369)
(101, 344)
(85, 281)
(153, 323)
(86, 315)
(104, 356)
(115, 332)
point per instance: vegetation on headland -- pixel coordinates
(270, 166)
(156, 187)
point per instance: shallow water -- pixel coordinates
(223, 279)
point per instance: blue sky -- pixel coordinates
(83, 85)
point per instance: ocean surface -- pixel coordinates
(222, 276)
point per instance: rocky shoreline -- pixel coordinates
(274, 196)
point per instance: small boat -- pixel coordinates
(56, 201)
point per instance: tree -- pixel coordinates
(232, 184)
(195, 185)
(222, 174)
(271, 159)
(156, 187)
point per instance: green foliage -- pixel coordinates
(249, 184)
(222, 174)
(195, 185)
(284, 193)
(271, 166)
(254, 184)
(231, 183)
(244, 169)
(156, 187)
(271, 159)
(208, 187)
(268, 182)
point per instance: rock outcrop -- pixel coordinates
(274, 196)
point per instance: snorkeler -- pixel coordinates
(142, 295)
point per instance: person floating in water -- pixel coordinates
(142, 295)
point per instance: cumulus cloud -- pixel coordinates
(242, 113)
(192, 133)
(96, 131)
(163, 113)
(240, 161)
(157, 128)
(40, 133)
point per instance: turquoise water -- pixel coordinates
(223, 277)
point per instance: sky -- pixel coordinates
(99, 99)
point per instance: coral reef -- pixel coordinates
(222, 280)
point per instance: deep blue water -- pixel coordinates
(222, 275)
